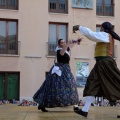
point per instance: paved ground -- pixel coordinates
(14, 112)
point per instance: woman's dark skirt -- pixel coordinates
(58, 91)
(104, 80)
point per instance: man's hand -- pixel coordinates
(75, 28)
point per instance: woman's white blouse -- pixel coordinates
(94, 36)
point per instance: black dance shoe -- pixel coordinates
(118, 116)
(42, 109)
(80, 112)
(75, 108)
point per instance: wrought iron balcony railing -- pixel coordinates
(9, 4)
(105, 10)
(12, 47)
(51, 48)
(58, 6)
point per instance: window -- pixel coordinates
(104, 7)
(56, 31)
(9, 4)
(8, 37)
(58, 6)
(98, 28)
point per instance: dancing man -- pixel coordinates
(104, 78)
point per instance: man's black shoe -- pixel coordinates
(80, 112)
(118, 116)
(75, 108)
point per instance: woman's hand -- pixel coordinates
(71, 43)
(77, 41)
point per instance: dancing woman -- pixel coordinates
(59, 88)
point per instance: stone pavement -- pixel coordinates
(14, 112)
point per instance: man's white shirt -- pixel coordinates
(94, 36)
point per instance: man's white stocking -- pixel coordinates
(89, 100)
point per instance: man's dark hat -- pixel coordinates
(107, 25)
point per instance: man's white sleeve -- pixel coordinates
(94, 36)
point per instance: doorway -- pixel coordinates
(9, 86)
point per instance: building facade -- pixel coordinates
(29, 30)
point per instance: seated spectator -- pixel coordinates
(81, 103)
